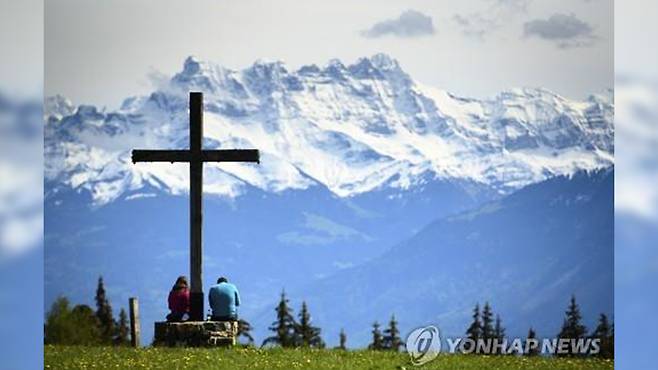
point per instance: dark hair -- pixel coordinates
(181, 283)
(222, 280)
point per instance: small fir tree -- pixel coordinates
(342, 340)
(499, 335)
(284, 326)
(104, 314)
(487, 322)
(391, 340)
(306, 334)
(572, 328)
(377, 340)
(604, 332)
(123, 332)
(531, 351)
(474, 331)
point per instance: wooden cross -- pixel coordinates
(195, 156)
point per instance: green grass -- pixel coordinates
(63, 357)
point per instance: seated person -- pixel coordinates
(179, 300)
(224, 301)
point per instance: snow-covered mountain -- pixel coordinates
(349, 128)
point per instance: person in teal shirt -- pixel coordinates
(224, 300)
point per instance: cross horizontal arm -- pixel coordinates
(224, 155)
(231, 155)
(160, 156)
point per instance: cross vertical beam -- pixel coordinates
(196, 211)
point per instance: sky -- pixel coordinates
(100, 52)
(21, 42)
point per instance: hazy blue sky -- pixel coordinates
(102, 51)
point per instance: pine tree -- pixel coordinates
(343, 340)
(104, 314)
(474, 332)
(499, 330)
(306, 334)
(284, 326)
(122, 336)
(572, 328)
(604, 332)
(244, 331)
(531, 351)
(499, 334)
(377, 340)
(391, 340)
(487, 322)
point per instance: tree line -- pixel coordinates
(291, 333)
(81, 325)
(485, 329)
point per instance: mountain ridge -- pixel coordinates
(557, 240)
(352, 128)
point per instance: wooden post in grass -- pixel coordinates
(134, 321)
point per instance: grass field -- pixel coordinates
(62, 357)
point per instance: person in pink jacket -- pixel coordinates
(179, 300)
